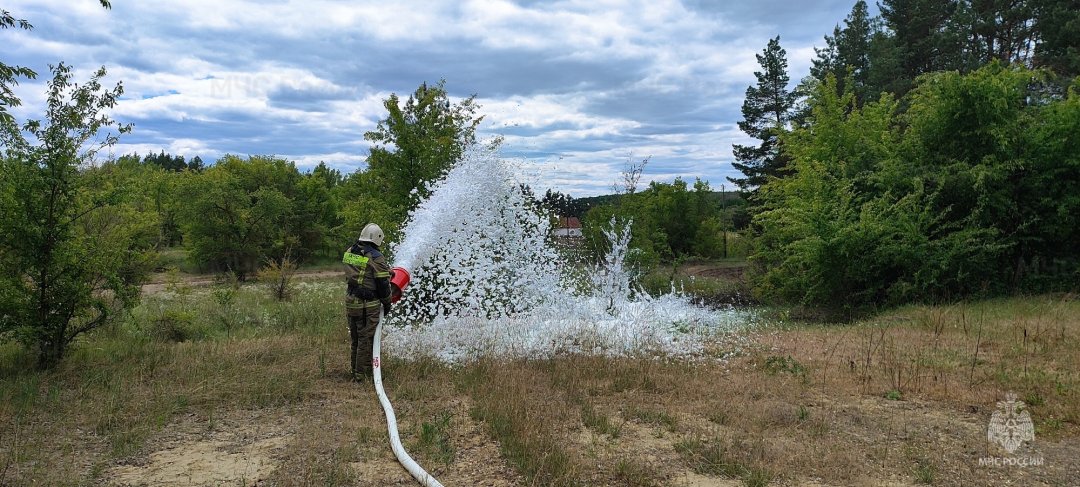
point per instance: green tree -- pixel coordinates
(766, 110)
(152, 190)
(922, 36)
(165, 161)
(971, 190)
(993, 29)
(1057, 25)
(415, 145)
(864, 48)
(196, 164)
(315, 214)
(998, 145)
(9, 75)
(239, 212)
(71, 253)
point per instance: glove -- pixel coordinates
(386, 309)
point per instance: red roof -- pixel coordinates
(569, 222)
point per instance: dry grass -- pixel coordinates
(903, 398)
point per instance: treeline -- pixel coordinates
(240, 213)
(78, 237)
(932, 153)
(670, 222)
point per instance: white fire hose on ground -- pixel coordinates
(403, 457)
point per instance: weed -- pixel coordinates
(434, 438)
(758, 477)
(654, 417)
(803, 413)
(174, 326)
(367, 435)
(719, 417)
(634, 474)
(598, 421)
(278, 276)
(1049, 426)
(520, 423)
(924, 473)
(708, 458)
(893, 395)
(775, 364)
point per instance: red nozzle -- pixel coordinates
(399, 280)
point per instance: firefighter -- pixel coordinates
(367, 276)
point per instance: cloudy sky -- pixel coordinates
(576, 87)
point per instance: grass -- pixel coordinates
(598, 421)
(807, 401)
(654, 417)
(434, 438)
(708, 282)
(517, 416)
(717, 457)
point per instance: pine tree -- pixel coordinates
(1057, 24)
(920, 29)
(850, 48)
(767, 110)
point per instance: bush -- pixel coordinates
(955, 197)
(175, 326)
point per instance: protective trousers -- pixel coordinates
(362, 325)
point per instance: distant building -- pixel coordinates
(568, 227)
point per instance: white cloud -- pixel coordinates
(588, 81)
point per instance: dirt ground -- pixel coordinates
(903, 400)
(337, 436)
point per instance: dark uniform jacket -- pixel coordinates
(368, 277)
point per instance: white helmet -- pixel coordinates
(371, 233)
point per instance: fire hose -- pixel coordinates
(399, 279)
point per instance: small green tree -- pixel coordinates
(71, 254)
(238, 212)
(416, 144)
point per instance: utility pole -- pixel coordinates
(723, 215)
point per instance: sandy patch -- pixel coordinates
(204, 462)
(240, 448)
(691, 479)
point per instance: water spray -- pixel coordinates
(399, 280)
(490, 282)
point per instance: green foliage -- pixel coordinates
(237, 212)
(415, 145)
(923, 41)
(776, 364)
(241, 212)
(973, 189)
(1057, 24)
(361, 204)
(669, 221)
(434, 438)
(277, 276)
(9, 75)
(864, 49)
(73, 247)
(766, 112)
(150, 189)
